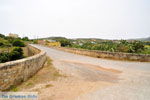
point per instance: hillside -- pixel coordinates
(145, 39)
(142, 39)
(93, 39)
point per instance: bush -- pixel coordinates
(25, 39)
(4, 43)
(18, 43)
(2, 36)
(1, 43)
(10, 39)
(35, 41)
(16, 53)
(65, 42)
(138, 46)
(18, 49)
(4, 57)
(123, 48)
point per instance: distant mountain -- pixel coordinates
(142, 39)
(145, 39)
(93, 39)
(53, 38)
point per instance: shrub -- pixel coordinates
(35, 41)
(18, 49)
(18, 43)
(1, 43)
(65, 42)
(4, 43)
(10, 39)
(123, 48)
(25, 39)
(16, 53)
(2, 36)
(138, 46)
(4, 57)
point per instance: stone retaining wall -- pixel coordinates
(30, 51)
(14, 72)
(110, 55)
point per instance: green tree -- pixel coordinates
(25, 39)
(65, 42)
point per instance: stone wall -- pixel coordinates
(14, 72)
(30, 51)
(110, 55)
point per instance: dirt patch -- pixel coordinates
(70, 89)
(90, 72)
(46, 74)
(97, 67)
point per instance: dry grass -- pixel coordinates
(48, 85)
(46, 74)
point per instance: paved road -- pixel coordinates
(123, 80)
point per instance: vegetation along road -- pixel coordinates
(90, 78)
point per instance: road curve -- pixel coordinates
(98, 79)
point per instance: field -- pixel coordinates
(126, 46)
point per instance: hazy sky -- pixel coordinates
(107, 19)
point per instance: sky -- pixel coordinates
(106, 19)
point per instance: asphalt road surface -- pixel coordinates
(97, 79)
